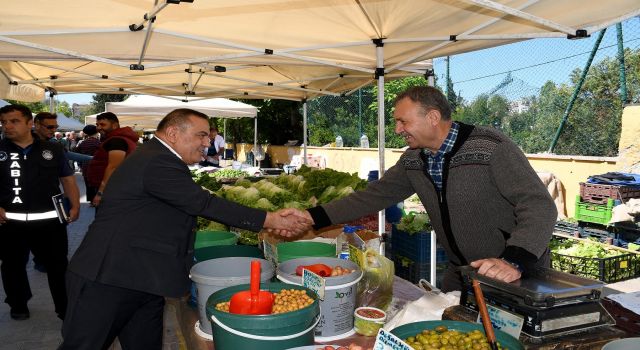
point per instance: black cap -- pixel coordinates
(90, 130)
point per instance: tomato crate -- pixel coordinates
(595, 213)
(610, 269)
(600, 194)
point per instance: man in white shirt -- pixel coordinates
(216, 148)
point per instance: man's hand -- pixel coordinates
(96, 200)
(74, 213)
(3, 216)
(497, 269)
(288, 222)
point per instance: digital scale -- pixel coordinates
(552, 303)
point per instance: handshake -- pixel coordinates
(288, 222)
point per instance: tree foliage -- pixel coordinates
(97, 105)
(43, 106)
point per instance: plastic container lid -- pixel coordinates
(349, 229)
(213, 238)
(293, 250)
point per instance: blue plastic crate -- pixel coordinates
(413, 272)
(416, 247)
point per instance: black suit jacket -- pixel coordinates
(143, 234)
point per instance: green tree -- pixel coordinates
(97, 105)
(484, 110)
(391, 90)
(43, 106)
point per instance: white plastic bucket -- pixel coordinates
(212, 275)
(336, 310)
(623, 344)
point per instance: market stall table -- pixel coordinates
(403, 293)
(591, 339)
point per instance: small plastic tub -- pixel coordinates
(368, 320)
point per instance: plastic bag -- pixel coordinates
(376, 287)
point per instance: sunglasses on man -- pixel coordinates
(51, 127)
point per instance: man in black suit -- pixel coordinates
(139, 248)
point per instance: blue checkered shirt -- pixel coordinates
(435, 162)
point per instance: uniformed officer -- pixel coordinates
(31, 172)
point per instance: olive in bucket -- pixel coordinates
(368, 320)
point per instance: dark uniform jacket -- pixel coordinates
(27, 181)
(142, 237)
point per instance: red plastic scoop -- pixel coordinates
(253, 301)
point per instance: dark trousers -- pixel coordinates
(90, 190)
(47, 240)
(98, 313)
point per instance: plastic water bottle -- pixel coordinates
(364, 141)
(346, 239)
(339, 141)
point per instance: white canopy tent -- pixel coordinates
(68, 124)
(159, 106)
(286, 49)
(145, 112)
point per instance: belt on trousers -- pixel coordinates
(32, 216)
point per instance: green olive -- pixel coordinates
(441, 329)
(441, 338)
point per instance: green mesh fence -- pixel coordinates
(522, 89)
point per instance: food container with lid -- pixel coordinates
(368, 320)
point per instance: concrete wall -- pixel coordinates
(569, 170)
(629, 146)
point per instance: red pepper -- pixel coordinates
(321, 270)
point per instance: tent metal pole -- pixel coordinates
(203, 59)
(381, 129)
(63, 52)
(613, 21)
(470, 31)
(357, 88)
(624, 98)
(527, 16)
(304, 131)
(282, 85)
(29, 73)
(147, 37)
(577, 89)
(108, 78)
(532, 35)
(52, 103)
(224, 134)
(255, 140)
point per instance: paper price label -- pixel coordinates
(270, 252)
(313, 282)
(388, 341)
(505, 321)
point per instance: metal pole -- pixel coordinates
(304, 132)
(624, 97)
(224, 134)
(360, 112)
(255, 140)
(381, 138)
(576, 91)
(52, 103)
(447, 79)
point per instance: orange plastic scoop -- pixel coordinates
(253, 301)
